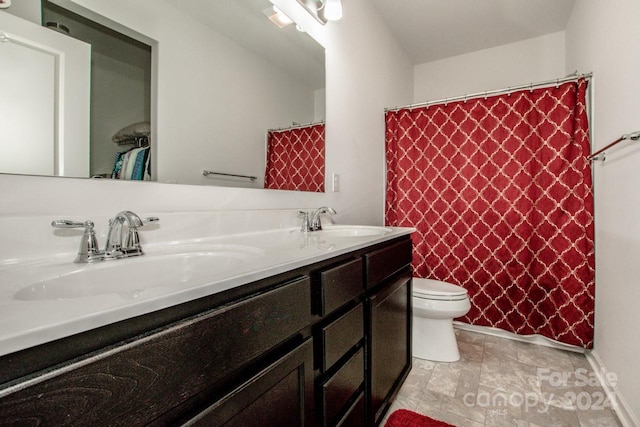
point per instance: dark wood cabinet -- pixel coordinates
(389, 342)
(326, 344)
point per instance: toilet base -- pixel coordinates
(434, 339)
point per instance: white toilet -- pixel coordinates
(435, 305)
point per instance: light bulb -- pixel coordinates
(333, 10)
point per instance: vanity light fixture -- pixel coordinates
(5, 4)
(323, 10)
(278, 17)
(333, 10)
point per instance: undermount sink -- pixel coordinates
(168, 267)
(354, 230)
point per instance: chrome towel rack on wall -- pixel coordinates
(601, 153)
(207, 173)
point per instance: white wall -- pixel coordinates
(529, 61)
(366, 71)
(605, 39)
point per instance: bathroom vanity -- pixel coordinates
(322, 340)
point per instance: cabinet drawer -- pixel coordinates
(337, 391)
(339, 285)
(135, 383)
(341, 335)
(384, 262)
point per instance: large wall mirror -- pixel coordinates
(198, 84)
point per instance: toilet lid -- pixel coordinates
(436, 288)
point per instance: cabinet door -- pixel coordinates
(45, 85)
(389, 342)
(279, 395)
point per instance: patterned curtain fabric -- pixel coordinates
(500, 191)
(295, 159)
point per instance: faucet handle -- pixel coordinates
(89, 249)
(67, 223)
(132, 245)
(306, 223)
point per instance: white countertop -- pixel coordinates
(25, 323)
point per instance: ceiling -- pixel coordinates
(430, 30)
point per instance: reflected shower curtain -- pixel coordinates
(499, 189)
(295, 159)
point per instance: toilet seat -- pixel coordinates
(437, 290)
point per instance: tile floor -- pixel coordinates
(500, 382)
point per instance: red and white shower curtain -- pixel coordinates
(500, 191)
(295, 159)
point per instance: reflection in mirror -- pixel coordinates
(248, 76)
(120, 90)
(295, 158)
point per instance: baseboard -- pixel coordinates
(620, 406)
(531, 339)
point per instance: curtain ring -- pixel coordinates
(446, 102)
(557, 83)
(531, 87)
(485, 95)
(508, 90)
(465, 98)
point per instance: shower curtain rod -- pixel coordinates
(297, 125)
(572, 77)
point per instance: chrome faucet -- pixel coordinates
(311, 221)
(115, 248)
